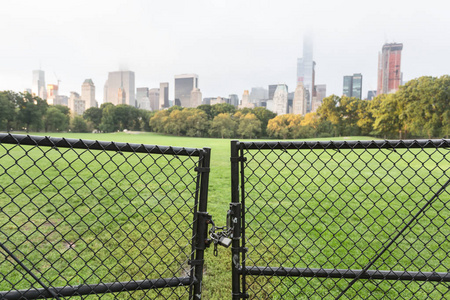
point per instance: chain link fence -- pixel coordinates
(99, 219)
(347, 219)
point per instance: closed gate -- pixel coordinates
(347, 219)
(100, 219)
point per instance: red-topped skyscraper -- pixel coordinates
(389, 71)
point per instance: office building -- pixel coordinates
(164, 95)
(38, 87)
(88, 93)
(153, 96)
(120, 88)
(234, 100)
(371, 94)
(76, 104)
(305, 70)
(52, 94)
(272, 88)
(142, 100)
(246, 103)
(299, 102)
(389, 68)
(184, 84)
(280, 100)
(353, 86)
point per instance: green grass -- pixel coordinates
(305, 217)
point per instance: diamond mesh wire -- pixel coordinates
(334, 206)
(83, 216)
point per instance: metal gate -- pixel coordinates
(101, 219)
(347, 219)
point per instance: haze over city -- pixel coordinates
(232, 45)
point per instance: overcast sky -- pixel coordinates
(232, 45)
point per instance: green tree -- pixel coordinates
(330, 112)
(279, 127)
(78, 124)
(94, 116)
(249, 126)
(109, 122)
(31, 111)
(7, 109)
(223, 126)
(56, 118)
(264, 115)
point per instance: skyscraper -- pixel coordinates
(353, 86)
(88, 93)
(153, 96)
(164, 95)
(272, 89)
(389, 68)
(52, 94)
(305, 70)
(38, 85)
(299, 102)
(119, 88)
(184, 84)
(280, 100)
(142, 100)
(76, 104)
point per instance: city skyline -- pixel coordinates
(229, 44)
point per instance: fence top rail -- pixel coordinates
(337, 145)
(33, 140)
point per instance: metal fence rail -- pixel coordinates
(347, 219)
(100, 219)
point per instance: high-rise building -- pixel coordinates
(184, 84)
(272, 89)
(371, 94)
(38, 87)
(280, 100)
(389, 68)
(246, 103)
(353, 86)
(119, 88)
(76, 104)
(52, 94)
(234, 100)
(88, 93)
(299, 102)
(142, 100)
(305, 70)
(164, 95)
(153, 96)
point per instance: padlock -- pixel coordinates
(224, 241)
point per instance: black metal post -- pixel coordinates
(235, 246)
(202, 227)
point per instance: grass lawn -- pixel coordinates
(332, 211)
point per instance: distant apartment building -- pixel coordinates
(299, 102)
(259, 94)
(76, 104)
(271, 90)
(88, 93)
(153, 97)
(163, 95)
(52, 94)
(353, 86)
(120, 88)
(184, 84)
(389, 68)
(371, 94)
(320, 92)
(280, 100)
(38, 87)
(142, 100)
(234, 100)
(306, 70)
(246, 103)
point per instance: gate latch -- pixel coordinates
(220, 235)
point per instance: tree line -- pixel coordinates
(419, 109)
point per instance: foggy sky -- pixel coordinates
(232, 45)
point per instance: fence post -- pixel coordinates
(235, 246)
(202, 227)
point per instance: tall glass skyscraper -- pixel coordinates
(353, 86)
(305, 70)
(184, 84)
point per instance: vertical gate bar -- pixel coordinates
(244, 249)
(201, 232)
(235, 246)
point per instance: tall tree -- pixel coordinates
(223, 126)
(8, 101)
(31, 110)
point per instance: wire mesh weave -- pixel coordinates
(91, 213)
(321, 211)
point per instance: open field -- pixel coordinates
(327, 206)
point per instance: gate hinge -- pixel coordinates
(195, 262)
(202, 169)
(238, 159)
(240, 295)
